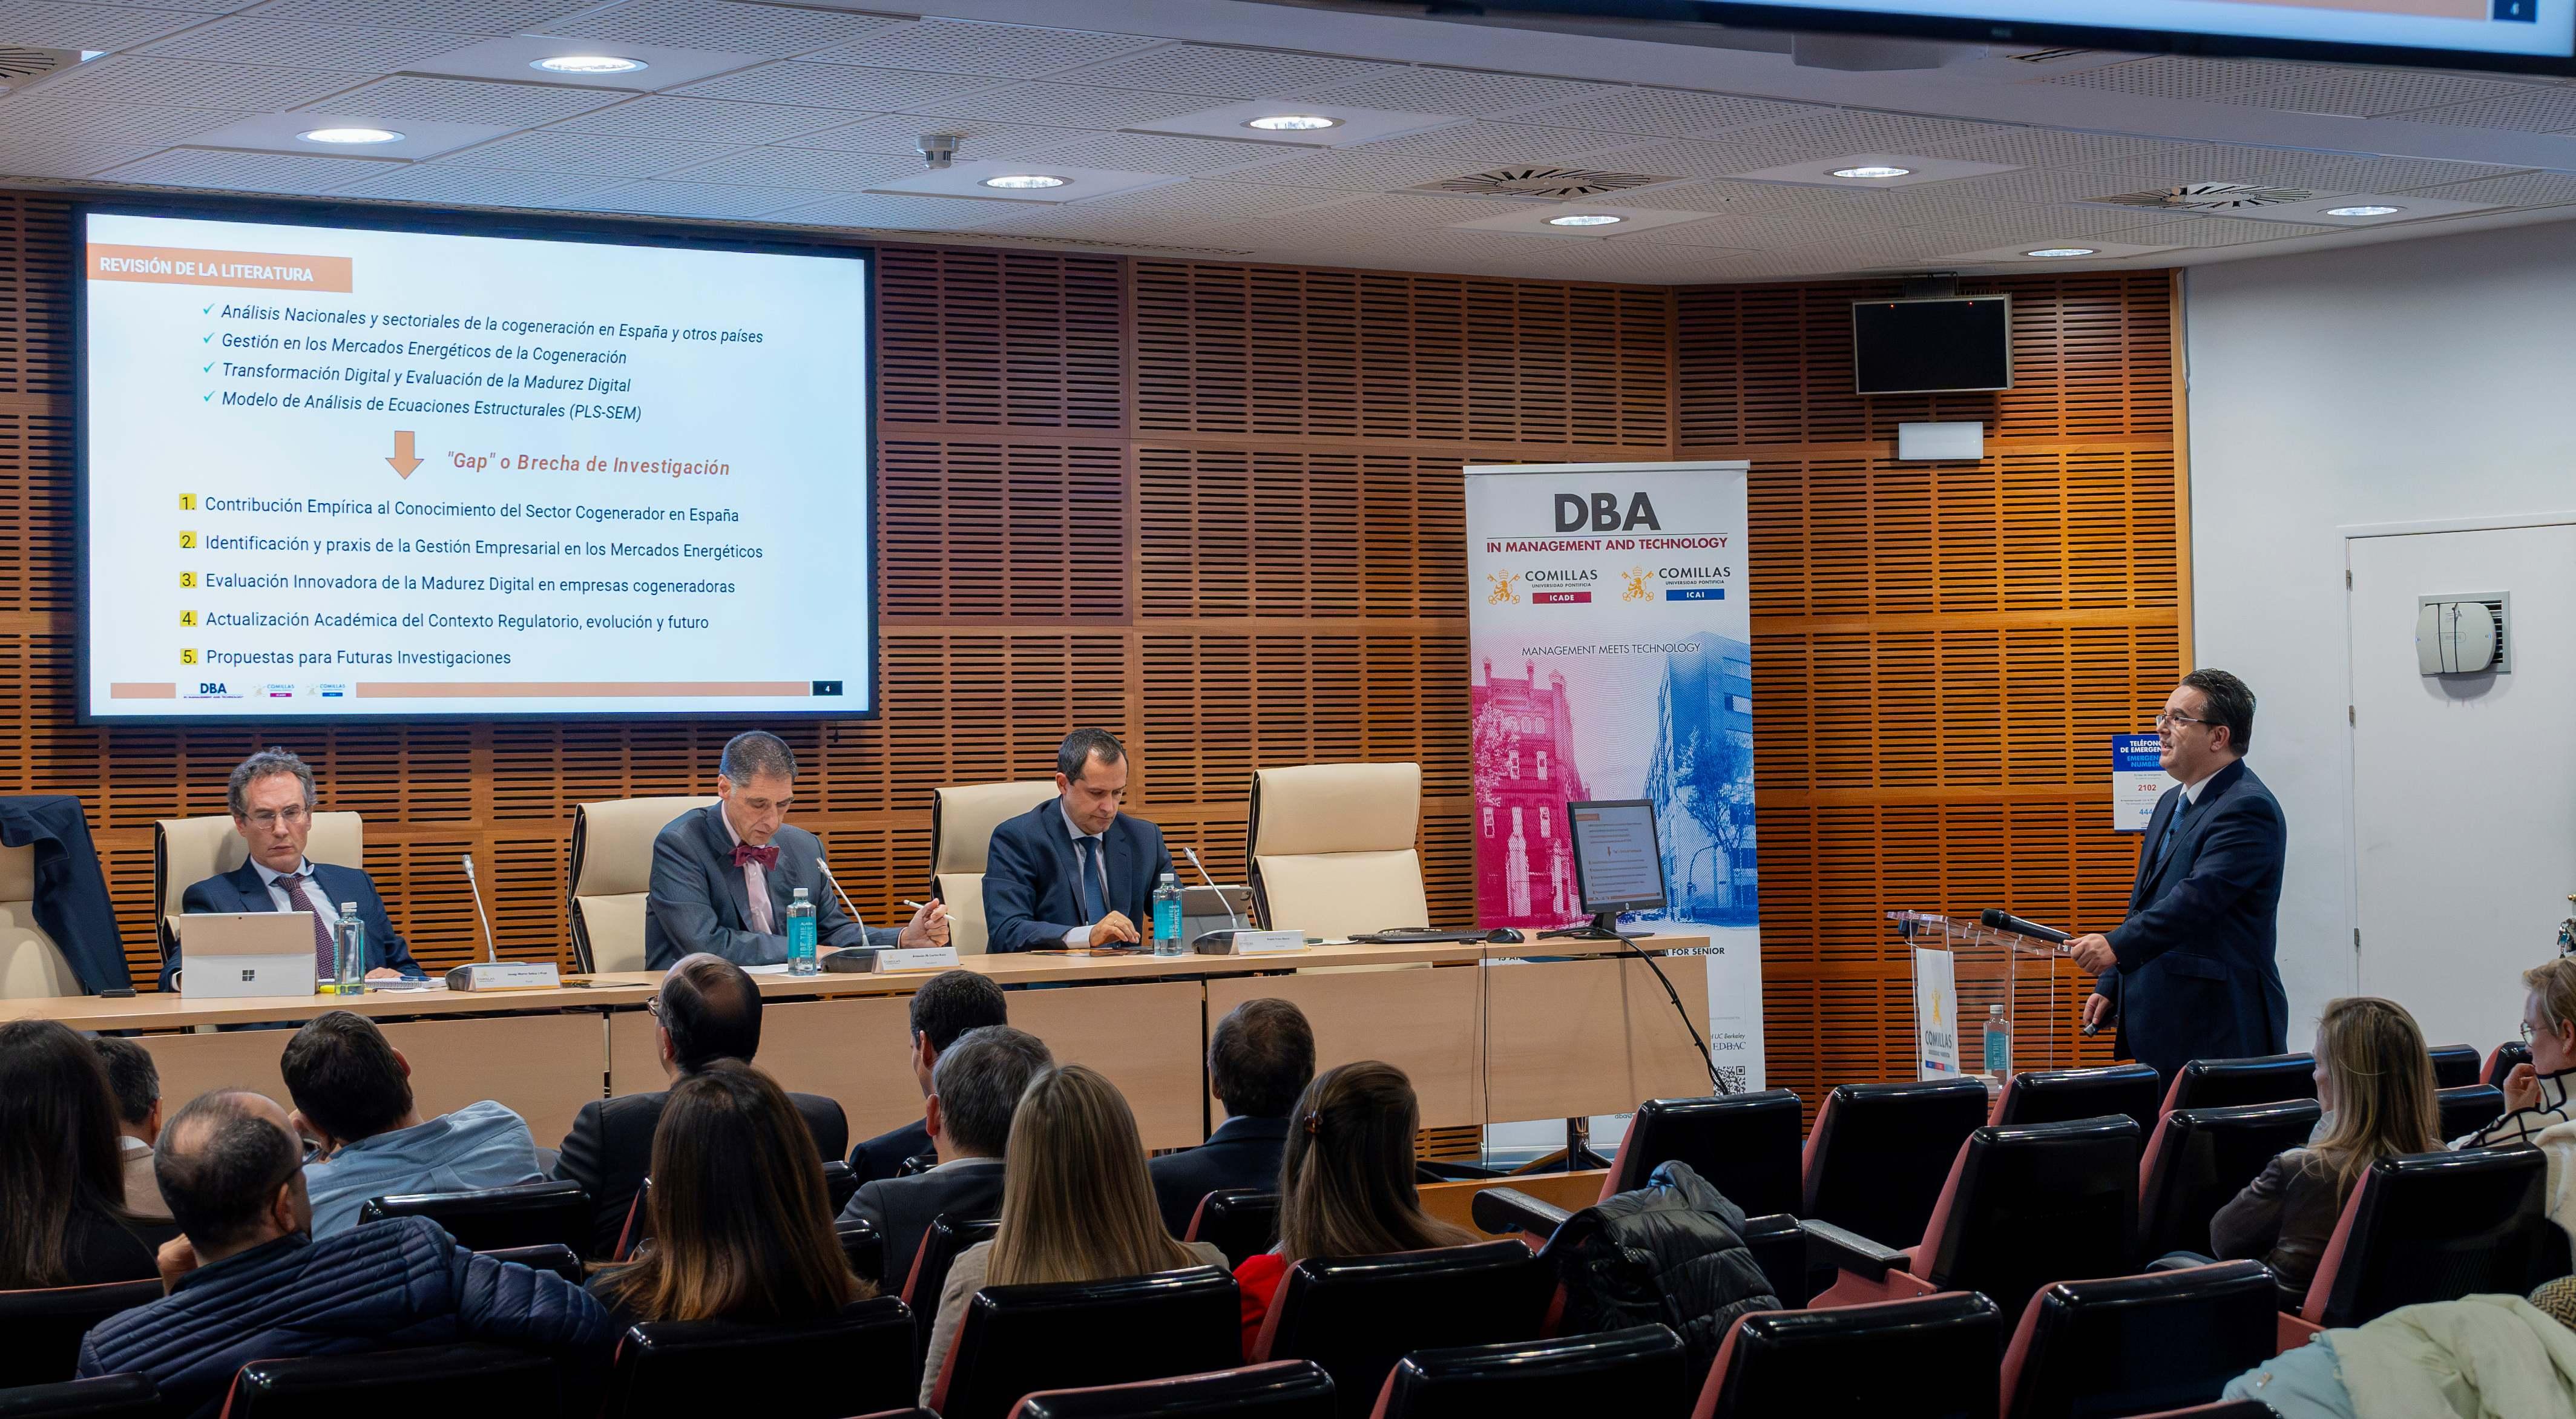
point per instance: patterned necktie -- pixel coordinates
(297, 885)
(2173, 831)
(1091, 902)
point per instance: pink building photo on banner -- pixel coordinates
(1523, 746)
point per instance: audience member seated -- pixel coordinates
(1076, 1206)
(2375, 1082)
(973, 1094)
(2535, 1094)
(1346, 1184)
(134, 1083)
(707, 1009)
(352, 1093)
(247, 1284)
(2471, 1358)
(947, 1005)
(741, 1230)
(1260, 1058)
(63, 1219)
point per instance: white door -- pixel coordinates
(2464, 787)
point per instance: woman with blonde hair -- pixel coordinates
(2375, 1079)
(1077, 1205)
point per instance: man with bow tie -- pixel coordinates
(723, 875)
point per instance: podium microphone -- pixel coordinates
(491, 947)
(2002, 920)
(1222, 899)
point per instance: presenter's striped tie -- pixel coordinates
(299, 891)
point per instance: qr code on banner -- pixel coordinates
(1730, 1078)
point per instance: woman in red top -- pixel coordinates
(1345, 1183)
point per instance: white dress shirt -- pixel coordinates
(755, 883)
(322, 905)
(1080, 936)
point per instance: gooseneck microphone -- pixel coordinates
(491, 947)
(1222, 899)
(846, 904)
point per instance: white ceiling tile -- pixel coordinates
(2367, 93)
(469, 101)
(1473, 93)
(964, 47)
(588, 154)
(1485, 143)
(1680, 157)
(2535, 110)
(1664, 113)
(247, 172)
(1387, 216)
(245, 39)
(2038, 147)
(1225, 72)
(1357, 170)
(40, 116)
(706, 120)
(898, 133)
(2404, 174)
(721, 24)
(892, 212)
(2529, 189)
(1738, 198)
(2033, 187)
(1177, 207)
(42, 24)
(478, 187)
(2172, 164)
(52, 157)
(1830, 132)
(988, 181)
(837, 86)
(188, 83)
(284, 133)
(1155, 152)
(2217, 231)
(480, 17)
(513, 59)
(802, 167)
(1067, 105)
(696, 199)
(2179, 76)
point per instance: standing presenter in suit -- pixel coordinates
(271, 796)
(1074, 871)
(2190, 975)
(723, 875)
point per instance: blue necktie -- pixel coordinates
(2173, 830)
(1088, 849)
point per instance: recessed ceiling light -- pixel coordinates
(1023, 180)
(2371, 211)
(1292, 122)
(2061, 251)
(350, 135)
(1585, 219)
(1872, 170)
(588, 64)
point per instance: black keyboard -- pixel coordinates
(1415, 936)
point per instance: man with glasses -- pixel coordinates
(2191, 975)
(271, 796)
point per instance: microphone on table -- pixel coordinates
(491, 947)
(846, 904)
(1222, 899)
(493, 973)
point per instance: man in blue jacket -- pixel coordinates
(246, 1283)
(271, 796)
(2191, 974)
(1074, 871)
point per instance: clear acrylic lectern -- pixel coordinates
(1984, 967)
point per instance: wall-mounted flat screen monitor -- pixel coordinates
(1940, 344)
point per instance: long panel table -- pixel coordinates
(1488, 1038)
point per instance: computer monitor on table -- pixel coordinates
(1618, 863)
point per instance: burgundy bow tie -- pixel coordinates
(767, 857)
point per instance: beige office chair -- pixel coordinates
(186, 851)
(612, 875)
(962, 819)
(1332, 848)
(31, 966)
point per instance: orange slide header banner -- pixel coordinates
(194, 266)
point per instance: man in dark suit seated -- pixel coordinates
(724, 874)
(2191, 973)
(271, 796)
(1074, 872)
(947, 1005)
(973, 1094)
(246, 1283)
(707, 1009)
(1260, 1058)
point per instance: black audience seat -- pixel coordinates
(2226, 1083)
(1356, 1316)
(491, 1218)
(1875, 1162)
(942, 1242)
(839, 1184)
(2436, 1227)
(2201, 1158)
(107, 1397)
(433, 1382)
(1282, 1389)
(562, 1260)
(2058, 1095)
(2124, 1344)
(2455, 1066)
(1239, 1221)
(1933, 1355)
(2502, 1062)
(852, 1363)
(2469, 1108)
(1778, 1245)
(1018, 1340)
(864, 1245)
(1645, 1367)
(1744, 1145)
(44, 1327)
(916, 1164)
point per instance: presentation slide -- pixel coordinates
(2536, 28)
(335, 471)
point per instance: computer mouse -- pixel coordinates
(1504, 936)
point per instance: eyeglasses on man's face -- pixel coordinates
(2167, 719)
(290, 815)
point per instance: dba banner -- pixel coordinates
(1611, 657)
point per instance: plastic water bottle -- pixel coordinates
(349, 952)
(800, 936)
(1998, 1044)
(1167, 918)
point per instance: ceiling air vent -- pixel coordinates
(2211, 197)
(2045, 56)
(1553, 183)
(21, 63)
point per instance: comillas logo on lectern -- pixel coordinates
(1601, 513)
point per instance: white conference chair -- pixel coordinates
(1332, 848)
(962, 820)
(612, 876)
(32, 967)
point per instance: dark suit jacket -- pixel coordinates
(969, 1190)
(610, 1149)
(240, 890)
(1243, 1152)
(697, 902)
(2196, 977)
(1031, 897)
(883, 1155)
(71, 893)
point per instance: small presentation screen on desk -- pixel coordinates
(1617, 861)
(337, 472)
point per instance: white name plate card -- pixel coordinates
(891, 960)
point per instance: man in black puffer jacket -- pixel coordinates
(1671, 1253)
(247, 1283)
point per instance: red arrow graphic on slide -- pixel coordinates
(402, 460)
